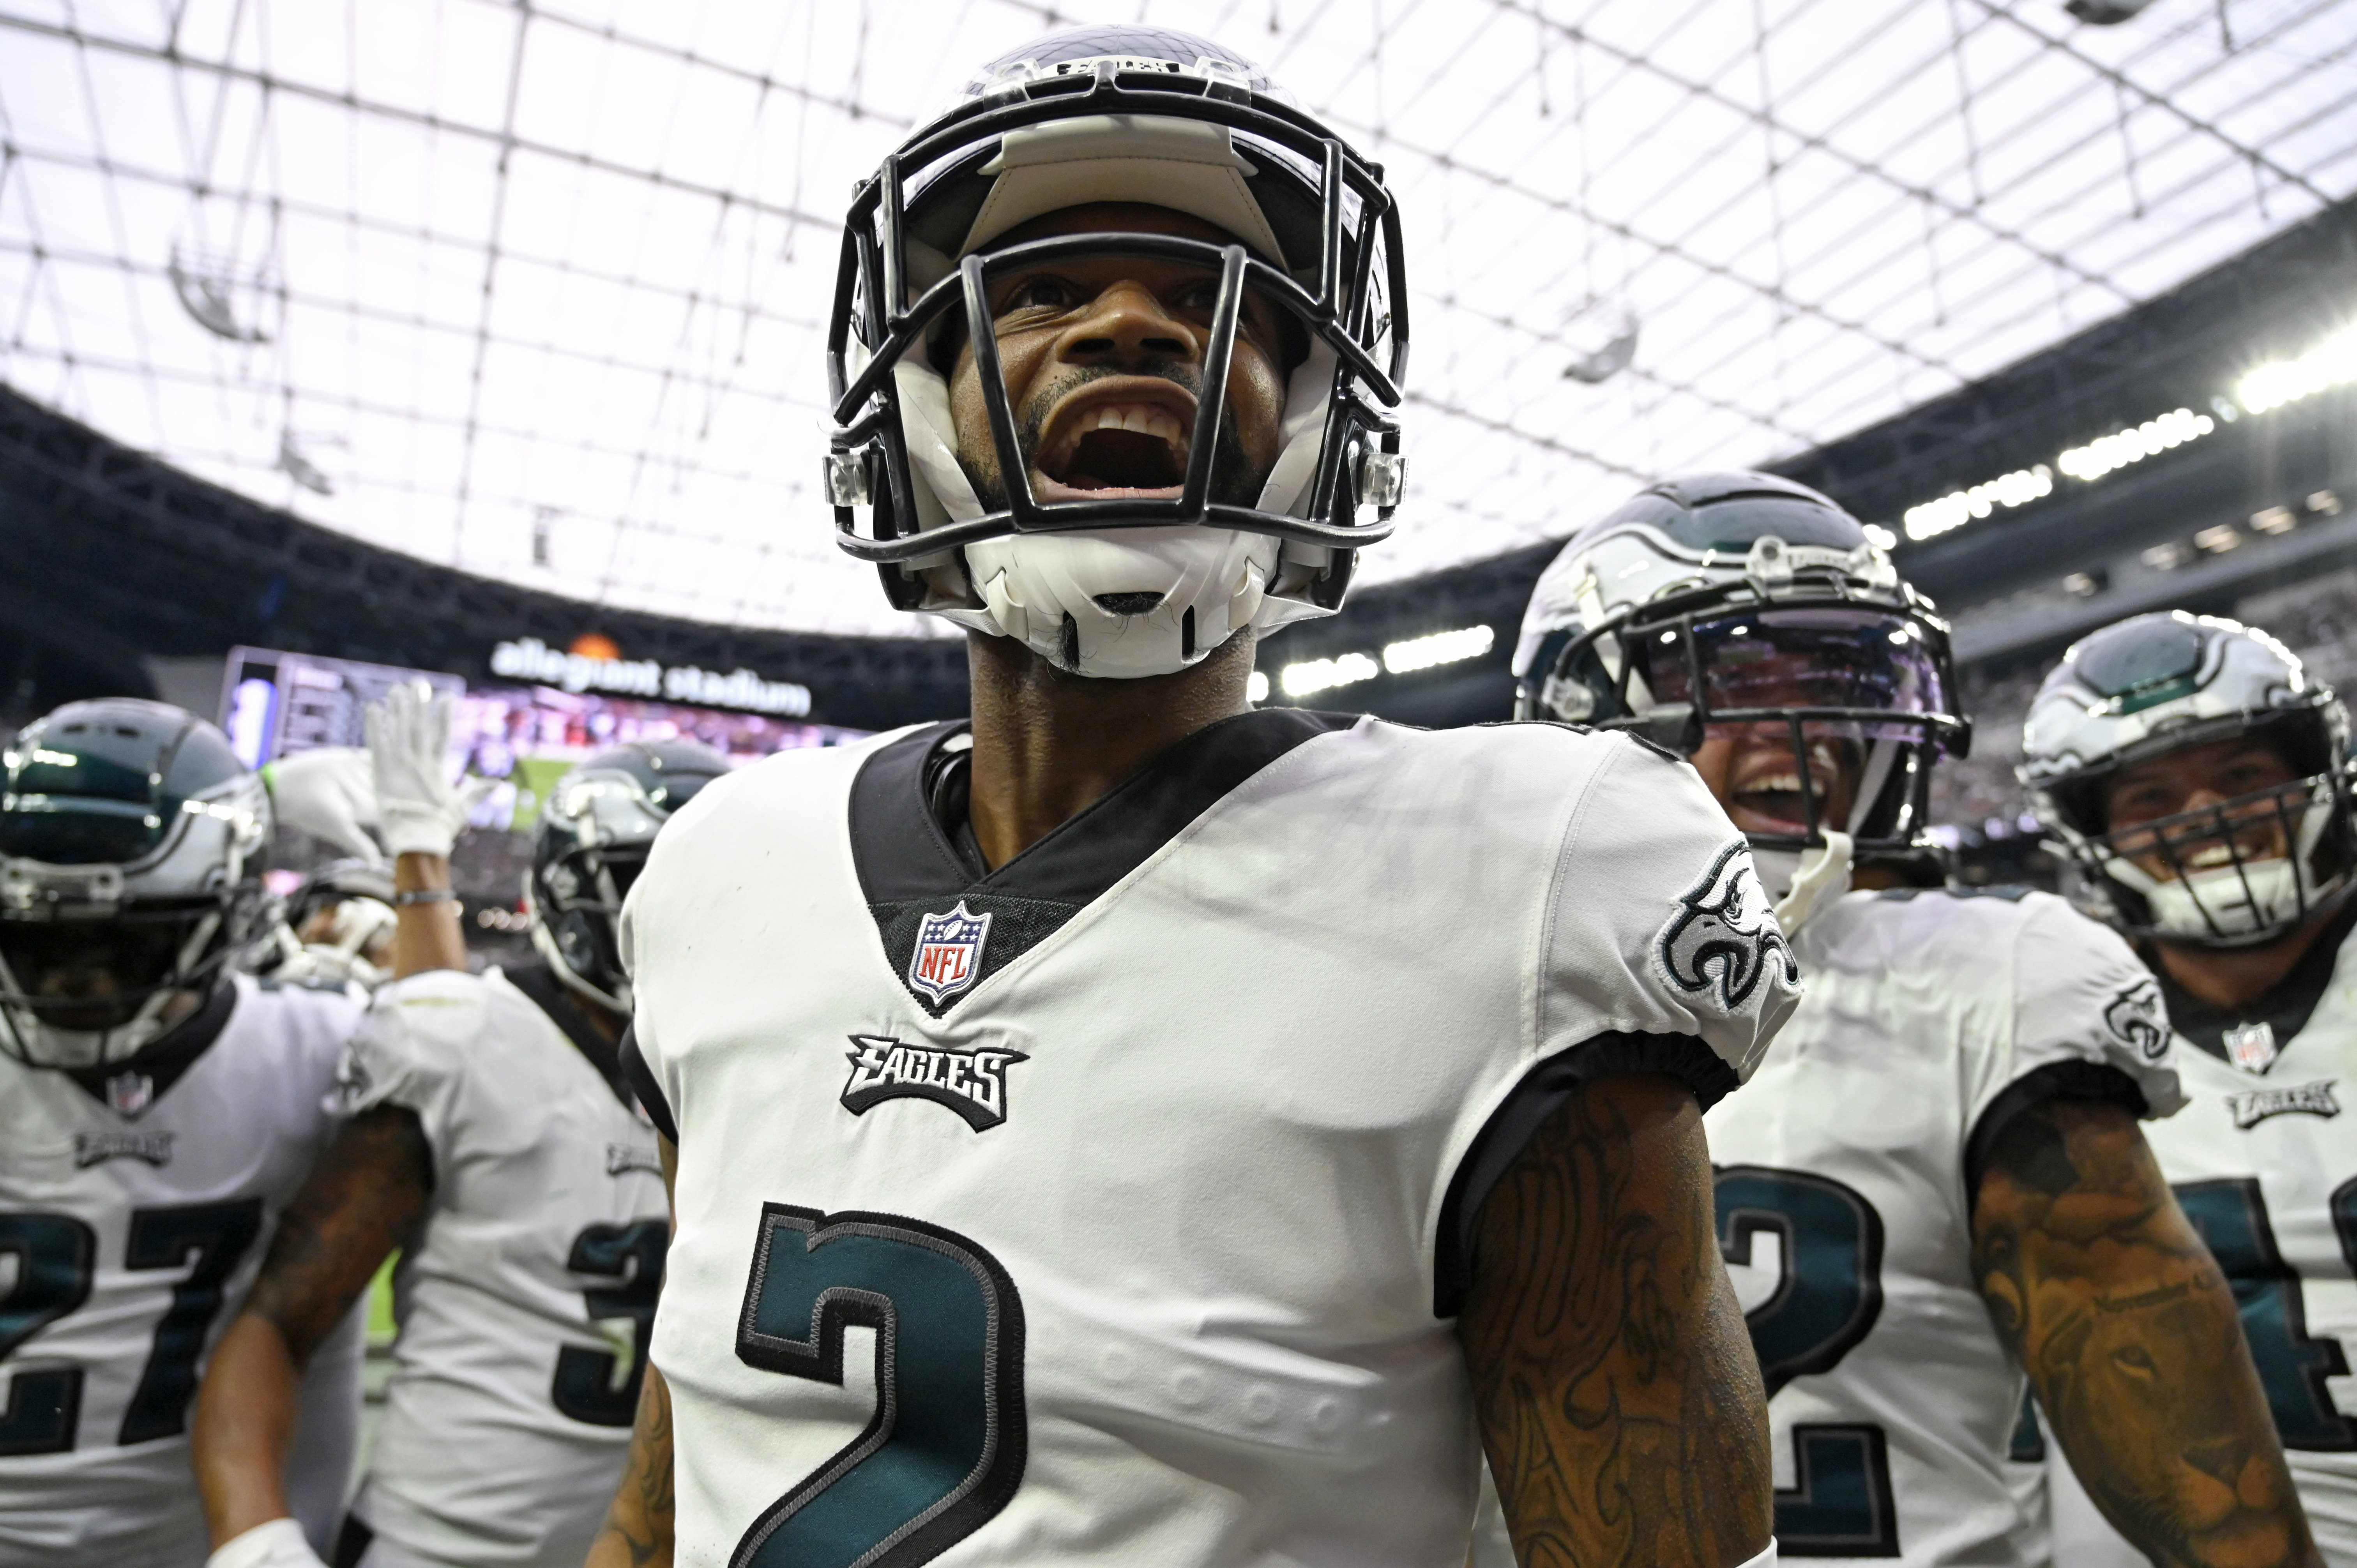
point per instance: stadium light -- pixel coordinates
(2117, 450)
(2018, 489)
(1440, 647)
(1256, 688)
(2330, 363)
(1322, 675)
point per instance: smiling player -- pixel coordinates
(2199, 778)
(1935, 1183)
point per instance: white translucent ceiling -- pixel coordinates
(537, 290)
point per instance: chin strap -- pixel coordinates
(1820, 869)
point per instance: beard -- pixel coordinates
(1236, 480)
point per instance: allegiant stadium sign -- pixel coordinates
(532, 660)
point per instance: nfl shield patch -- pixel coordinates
(130, 1092)
(948, 953)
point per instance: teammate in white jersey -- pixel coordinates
(156, 1113)
(2199, 778)
(494, 1141)
(1935, 1179)
(1130, 1128)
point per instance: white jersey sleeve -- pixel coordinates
(2082, 998)
(525, 1303)
(1658, 924)
(413, 1049)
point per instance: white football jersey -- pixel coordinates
(2265, 1168)
(136, 1205)
(525, 1304)
(1845, 1213)
(1109, 1207)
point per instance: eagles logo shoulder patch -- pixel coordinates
(1722, 939)
(2139, 1021)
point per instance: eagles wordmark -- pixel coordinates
(971, 1083)
(2255, 1106)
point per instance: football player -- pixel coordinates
(1129, 1127)
(157, 1110)
(1936, 1180)
(2198, 777)
(494, 1144)
(336, 929)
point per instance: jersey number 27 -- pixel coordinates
(57, 1258)
(1828, 1293)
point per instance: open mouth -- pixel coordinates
(1769, 791)
(1124, 437)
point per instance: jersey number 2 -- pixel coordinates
(56, 1256)
(945, 1449)
(1828, 1293)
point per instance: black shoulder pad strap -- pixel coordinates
(641, 1080)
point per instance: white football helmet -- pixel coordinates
(130, 844)
(1189, 540)
(334, 930)
(1743, 599)
(2163, 682)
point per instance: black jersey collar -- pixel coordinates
(129, 1086)
(2286, 1010)
(911, 865)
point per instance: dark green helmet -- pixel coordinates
(594, 832)
(130, 845)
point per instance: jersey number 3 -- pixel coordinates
(1828, 1292)
(945, 1449)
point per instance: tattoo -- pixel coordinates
(1620, 1403)
(2131, 1338)
(362, 1201)
(638, 1528)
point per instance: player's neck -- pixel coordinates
(2236, 977)
(1047, 744)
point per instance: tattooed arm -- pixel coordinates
(2131, 1338)
(637, 1529)
(363, 1199)
(1620, 1403)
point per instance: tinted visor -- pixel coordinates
(96, 975)
(1857, 663)
(81, 829)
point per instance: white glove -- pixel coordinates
(329, 793)
(278, 1544)
(420, 809)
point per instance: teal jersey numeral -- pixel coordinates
(946, 1448)
(2233, 1219)
(1828, 1294)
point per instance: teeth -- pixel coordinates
(1139, 418)
(1789, 783)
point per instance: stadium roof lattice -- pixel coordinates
(536, 289)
